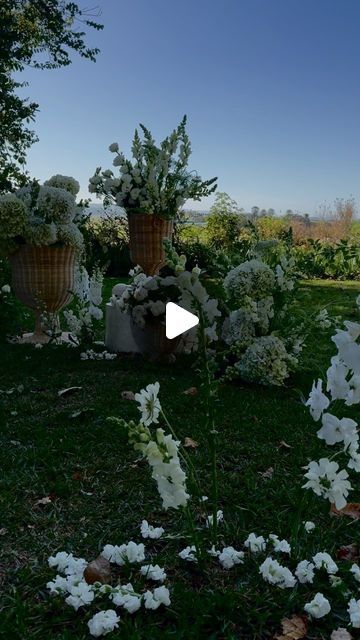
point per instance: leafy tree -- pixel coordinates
(41, 34)
(255, 211)
(224, 222)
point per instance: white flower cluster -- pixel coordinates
(64, 182)
(343, 383)
(260, 356)
(90, 354)
(88, 295)
(5, 289)
(156, 181)
(81, 594)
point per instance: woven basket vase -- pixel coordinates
(42, 279)
(147, 233)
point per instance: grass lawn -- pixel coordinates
(100, 490)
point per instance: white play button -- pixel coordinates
(178, 320)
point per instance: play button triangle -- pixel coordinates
(178, 320)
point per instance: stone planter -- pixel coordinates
(42, 279)
(152, 340)
(147, 232)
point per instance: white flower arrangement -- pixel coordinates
(88, 298)
(64, 182)
(41, 215)
(156, 181)
(325, 477)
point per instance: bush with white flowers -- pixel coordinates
(40, 215)
(325, 477)
(264, 331)
(82, 319)
(157, 180)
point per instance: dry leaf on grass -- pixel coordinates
(98, 570)
(293, 628)
(192, 391)
(268, 474)
(68, 391)
(42, 501)
(190, 443)
(127, 395)
(340, 634)
(348, 552)
(351, 510)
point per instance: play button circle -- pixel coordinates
(178, 320)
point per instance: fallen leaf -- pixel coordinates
(127, 395)
(293, 628)
(285, 445)
(99, 570)
(190, 443)
(340, 634)
(192, 391)
(268, 474)
(77, 475)
(352, 510)
(42, 501)
(68, 391)
(348, 552)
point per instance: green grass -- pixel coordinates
(100, 490)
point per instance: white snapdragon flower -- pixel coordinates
(60, 561)
(325, 480)
(114, 147)
(337, 383)
(124, 596)
(280, 545)
(355, 570)
(229, 557)
(317, 400)
(219, 518)
(153, 572)
(213, 552)
(148, 531)
(103, 623)
(130, 552)
(276, 574)
(318, 607)
(150, 406)
(354, 613)
(305, 571)
(81, 595)
(323, 560)
(59, 585)
(255, 543)
(188, 554)
(153, 599)
(309, 526)
(334, 430)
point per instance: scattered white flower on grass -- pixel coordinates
(124, 596)
(213, 552)
(5, 288)
(75, 566)
(229, 557)
(38, 345)
(204, 498)
(323, 560)
(60, 561)
(150, 406)
(90, 354)
(354, 613)
(148, 531)
(340, 634)
(276, 574)
(153, 599)
(130, 552)
(153, 572)
(103, 623)
(323, 319)
(219, 518)
(189, 554)
(81, 595)
(337, 383)
(334, 430)
(305, 571)
(355, 570)
(335, 581)
(280, 545)
(318, 607)
(59, 585)
(309, 526)
(317, 400)
(255, 543)
(325, 480)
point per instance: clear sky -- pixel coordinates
(271, 89)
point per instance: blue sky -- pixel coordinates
(271, 89)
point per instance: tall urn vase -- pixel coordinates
(42, 279)
(147, 233)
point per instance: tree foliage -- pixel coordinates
(41, 34)
(224, 222)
